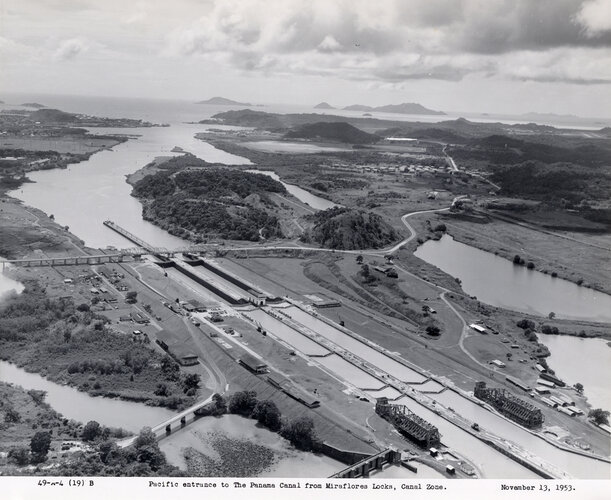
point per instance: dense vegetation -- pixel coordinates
(347, 229)
(300, 432)
(502, 149)
(102, 458)
(212, 202)
(72, 345)
(338, 131)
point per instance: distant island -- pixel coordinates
(323, 105)
(221, 101)
(33, 105)
(406, 108)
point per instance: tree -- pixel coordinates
(191, 381)
(39, 446)
(170, 368)
(517, 259)
(37, 396)
(300, 433)
(267, 413)
(220, 405)
(91, 431)
(526, 324)
(242, 402)
(19, 456)
(578, 387)
(147, 449)
(440, 227)
(551, 315)
(12, 416)
(83, 307)
(530, 265)
(131, 297)
(162, 390)
(365, 271)
(599, 416)
(433, 330)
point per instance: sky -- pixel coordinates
(496, 56)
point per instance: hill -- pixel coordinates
(33, 105)
(358, 107)
(52, 116)
(341, 132)
(210, 202)
(406, 108)
(349, 229)
(222, 101)
(323, 105)
(249, 118)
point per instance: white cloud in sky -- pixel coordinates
(595, 16)
(389, 44)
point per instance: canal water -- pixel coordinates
(79, 406)
(497, 281)
(587, 361)
(576, 465)
(316, 202)
(287, 334)
(357, 347)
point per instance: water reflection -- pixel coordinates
(496, 281)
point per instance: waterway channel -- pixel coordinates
(498, 282)
(316, 202)
(79, 406)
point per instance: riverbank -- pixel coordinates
(563, 256)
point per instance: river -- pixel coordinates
(81, 407)
(498, 282)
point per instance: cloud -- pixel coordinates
(329, 44)
(70, 49)
(595, 16)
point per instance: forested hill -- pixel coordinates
(348, 229)
(339, 131)
(213, 202)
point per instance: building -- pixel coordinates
(517, 383)
(189, 359)
(253, 364)
(139, 318)
(286, 386)
(478, 328)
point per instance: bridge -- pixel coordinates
(174, 423)
(375, 462)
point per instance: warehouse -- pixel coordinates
(253, 364)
